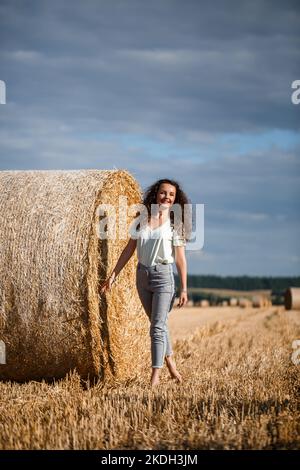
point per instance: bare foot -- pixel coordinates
(154, 382)
(172, 369)
(155, 377)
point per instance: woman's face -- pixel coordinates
(166, 195)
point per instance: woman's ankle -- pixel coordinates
(155, 375)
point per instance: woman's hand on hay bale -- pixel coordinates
(106, 286)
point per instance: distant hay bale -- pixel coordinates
(204, 303)
(258, 301)
(190, 303)
(52, 319)
(292, 298)
(224, 303)
(244, 302)
(233, 302)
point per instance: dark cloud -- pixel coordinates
(181, 65)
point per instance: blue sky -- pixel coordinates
(197, 91)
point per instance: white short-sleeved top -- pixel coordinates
(156, 246)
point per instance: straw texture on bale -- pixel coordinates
(292, 298)
(52, 319)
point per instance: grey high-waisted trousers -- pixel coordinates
(156, 289)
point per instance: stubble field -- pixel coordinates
(240, 391)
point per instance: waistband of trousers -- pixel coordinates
(156, 267)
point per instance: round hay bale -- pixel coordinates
(258, 301)
(244, 302)
(204, 303)
(292, 298)
(224, 303)
(52, 318)
(233, 301)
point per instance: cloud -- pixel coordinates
(180, 68)
(25, 56)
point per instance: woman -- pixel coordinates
(158, 245)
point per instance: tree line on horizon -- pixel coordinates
(243, 283)
(276, 284)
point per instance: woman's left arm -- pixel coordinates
(181, 266)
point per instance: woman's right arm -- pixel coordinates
(123, 259)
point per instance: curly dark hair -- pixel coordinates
(150, 195)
